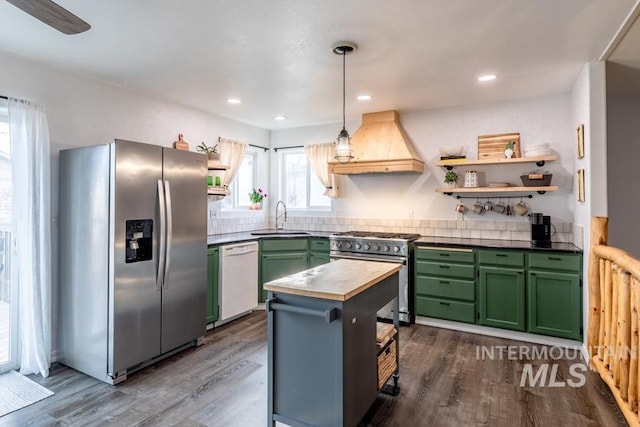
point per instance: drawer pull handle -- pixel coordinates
(444, 282)
(443, 254)
(444, 303)
(554, 258)
(444, 266)
(502, 255)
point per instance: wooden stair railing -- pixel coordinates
(614, 301)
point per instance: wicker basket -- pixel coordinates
(386, 363)
(384, 332)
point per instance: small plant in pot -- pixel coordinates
(210, 151)
(508, 150)
(451, 178)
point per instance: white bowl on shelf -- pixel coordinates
(537, 153)
(451, 150)
(537, 150)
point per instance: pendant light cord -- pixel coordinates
(344, 91)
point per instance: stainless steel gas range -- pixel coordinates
(386, 247)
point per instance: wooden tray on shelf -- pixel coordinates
(493, 146)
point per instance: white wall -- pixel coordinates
(83, 111)
(588, 105)
(543, 119)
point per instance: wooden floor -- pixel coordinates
(223, 383)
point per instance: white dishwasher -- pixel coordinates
(238, 280)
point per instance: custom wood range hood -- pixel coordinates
(380, 146)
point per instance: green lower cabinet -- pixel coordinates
(446, 309)
(502, 297)
(318, 252)
(316, 259)
(213, 269)
(277, 265)
(554, 304)
(444, 287)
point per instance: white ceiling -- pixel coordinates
(276, 55)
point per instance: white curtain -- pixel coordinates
(30, 158)
(319, 155)
(231, 154)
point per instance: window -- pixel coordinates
(244, 183)
(300, 187)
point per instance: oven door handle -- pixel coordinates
(362, 258)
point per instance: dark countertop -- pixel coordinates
(496, 244)
(220, 239)
(245, 236)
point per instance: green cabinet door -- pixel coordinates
(213, 269)
(502, 297)
(276, 265)
(316, 259)
(553, 304)
(318, 252)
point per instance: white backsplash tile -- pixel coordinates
(512, 229)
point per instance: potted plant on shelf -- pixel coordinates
(508, 151)
(256, 197)
(210, 151)
(451, 178)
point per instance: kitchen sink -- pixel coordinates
(277, 233)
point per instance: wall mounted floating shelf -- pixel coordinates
(481, 190)
(539, 161)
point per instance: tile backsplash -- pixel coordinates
(498, 230)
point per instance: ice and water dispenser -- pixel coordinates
(139, 240)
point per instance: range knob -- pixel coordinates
(396, 248)
(358, 245)
(367, 246)
(339, 244)
(386, 248)
(376, 247)
(348, 245)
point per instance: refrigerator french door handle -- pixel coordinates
(167, 264)
(163, 230)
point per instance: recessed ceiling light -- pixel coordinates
(280, 118)
(233, 100)
(487, 78)
(364, 97)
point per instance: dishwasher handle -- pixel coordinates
(241, 249)
(274, 304)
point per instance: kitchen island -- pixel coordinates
(322, 356)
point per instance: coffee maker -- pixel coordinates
(540, 230)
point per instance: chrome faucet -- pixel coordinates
(284, 214)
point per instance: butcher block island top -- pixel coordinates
(338, 280)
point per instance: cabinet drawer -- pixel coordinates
(507, 258)
(462, 271)
(446, 255)
(444, 309)
(319, 244)
(285, 245)
(555, 261)
(446, 288)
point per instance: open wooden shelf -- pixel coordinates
(217, 191)
(448, 190)
(211, 165)
(470, 162)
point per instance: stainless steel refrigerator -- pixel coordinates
(132, 256)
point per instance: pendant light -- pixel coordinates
(343, 143)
